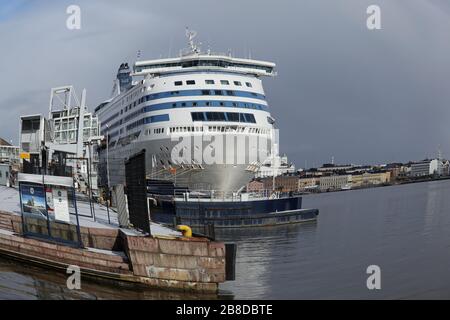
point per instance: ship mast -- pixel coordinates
(191, 34)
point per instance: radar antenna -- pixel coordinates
(191, 34)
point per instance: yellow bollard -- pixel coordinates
(187, 231)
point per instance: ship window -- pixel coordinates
(215, 116)
(233, 116)
(237, 83)
(221, 104)
(190, 82)
(230, 93)
(158, 118)
(183, 104)
(225, 82)
(178, 83)
(218, 92)
(209, 81)
(198, 116)
(248, 84)
(194, 104)
(249, 118)
(205, 92)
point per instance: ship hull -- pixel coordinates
(160, 165)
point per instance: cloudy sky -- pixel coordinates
(342, 90)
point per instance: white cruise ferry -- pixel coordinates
(196, 95)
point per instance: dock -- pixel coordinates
(165, 260)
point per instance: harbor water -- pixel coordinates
(405, 230)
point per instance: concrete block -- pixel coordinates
(147, 244)
(180, 247)
(175, 261)
(141, 257)
(171, 273)
(211, 263)
(216, 249)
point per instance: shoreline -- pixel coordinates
(379, 186)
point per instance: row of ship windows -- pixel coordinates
(212, 104)
(203, 63)
(192, 103)
(234, 129)
(223, 116)
(196, 116)
(222, 82)
(176, 83)
(147, 120)
(202, 92)
(189, 104)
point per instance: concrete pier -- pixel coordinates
(166, 260)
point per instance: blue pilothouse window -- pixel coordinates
(158, 118)
(223, 116)
(198, 116)
(233, 116)
(215, 116)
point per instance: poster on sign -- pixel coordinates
(33, 201)
(61, 204)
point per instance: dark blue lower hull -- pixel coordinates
(232, 214)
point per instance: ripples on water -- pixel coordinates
(403, 229)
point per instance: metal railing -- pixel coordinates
(219, 195)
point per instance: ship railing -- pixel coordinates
(221, 195)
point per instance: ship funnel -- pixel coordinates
(124, 77)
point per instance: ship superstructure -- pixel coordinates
(204, 96)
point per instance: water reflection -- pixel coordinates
(24, 282)
(259, 252)
(403, 229)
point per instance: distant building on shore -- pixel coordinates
(285, 183)
(8, 152)
(308, 184)
(9, 163)
(369, 179)
(427, 168)
(334, 182)
(278, 165)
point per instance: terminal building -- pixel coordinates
(63, 144)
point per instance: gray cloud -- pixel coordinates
(342, 90)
